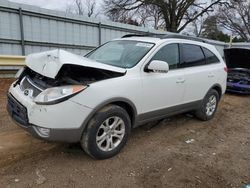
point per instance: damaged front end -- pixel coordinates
(50, 77)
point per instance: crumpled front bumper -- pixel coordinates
(19, 114)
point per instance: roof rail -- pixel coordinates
(166, 36)
(183, 37)
(135, 35)
(142, 35)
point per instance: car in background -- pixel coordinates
(98, 99)
(238, 63)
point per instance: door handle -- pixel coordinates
(210, 75)
(180, 80)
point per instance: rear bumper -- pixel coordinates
(19, 114)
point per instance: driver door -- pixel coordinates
(163, 92)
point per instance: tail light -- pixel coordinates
(225, 69)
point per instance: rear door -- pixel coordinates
(200, 75)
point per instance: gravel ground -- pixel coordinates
(156, 155)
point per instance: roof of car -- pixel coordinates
(173, 38)
(167, 36)
(159, 38)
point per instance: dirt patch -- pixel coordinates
(15, 143)
(4, 118)
(155, 156)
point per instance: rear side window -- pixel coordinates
(192, 55)
(169, 54)
(210, 56)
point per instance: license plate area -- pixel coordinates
(17, 111)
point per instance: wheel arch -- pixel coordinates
(218, 88)
(126, 104)
(129, 107)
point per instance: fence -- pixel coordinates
(10, 64)
(27, 29)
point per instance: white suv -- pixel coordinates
(97, 99)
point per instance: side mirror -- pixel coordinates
(157, 66)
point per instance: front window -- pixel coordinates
(123, 53)
(169, 54)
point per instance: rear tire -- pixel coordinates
(107, 132)
(208, 106)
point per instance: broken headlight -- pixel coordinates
(57, 94)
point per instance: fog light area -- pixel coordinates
(43, 132)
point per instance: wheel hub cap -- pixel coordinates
(110, 133)
(211, 105)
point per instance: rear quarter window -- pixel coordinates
(210, 56)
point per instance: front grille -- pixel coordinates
(17, 111)
(27, 84)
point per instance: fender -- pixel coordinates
(216, 87)
(106, 102)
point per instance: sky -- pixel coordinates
(49, 4)
(61, 5)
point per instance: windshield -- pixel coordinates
(123, 53)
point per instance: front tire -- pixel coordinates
(107, 132)
(208, 106)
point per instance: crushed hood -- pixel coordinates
(49, 63)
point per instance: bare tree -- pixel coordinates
(83, 7)
(198, 26)
(235, 17)
(173, 12)
(79, 7)
(151, 16)
(91, 6)
(124, 17)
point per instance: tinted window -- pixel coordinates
(192, 55)
(169, 54)
(210, 57)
